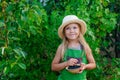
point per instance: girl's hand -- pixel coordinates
(82, 67)
(72, 62)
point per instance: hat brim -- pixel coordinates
(78, 21)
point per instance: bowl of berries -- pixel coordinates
(73, 69)
(76, 67)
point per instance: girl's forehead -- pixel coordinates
(72, 24)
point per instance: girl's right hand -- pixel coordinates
(72, 62)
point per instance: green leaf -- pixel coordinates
(23, 54)
(92, 35)
(15, 38)
(6, 70)
(2, 24)
(3, 48)
(13, 64)
(17, 51)
(33, 30)
(20, 52)
(21, 65)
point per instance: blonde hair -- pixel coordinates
(82, 41)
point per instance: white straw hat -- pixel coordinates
(68, 20)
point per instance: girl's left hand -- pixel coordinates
(82, 67)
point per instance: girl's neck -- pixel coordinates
(74, 44)
(73, 41)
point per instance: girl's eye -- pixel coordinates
(67, 28)
(74, 27)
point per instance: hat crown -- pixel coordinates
(69, 18)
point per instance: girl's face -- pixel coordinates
(72, 31)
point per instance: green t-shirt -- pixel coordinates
(66, 75)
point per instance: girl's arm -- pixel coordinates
(56, 65)
(91, 62)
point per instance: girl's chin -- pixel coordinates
(72, 38)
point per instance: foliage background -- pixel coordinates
(29, 39)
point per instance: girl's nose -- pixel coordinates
(71, 30)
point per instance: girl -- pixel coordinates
(73, 47)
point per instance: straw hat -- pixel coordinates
(68, 20)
